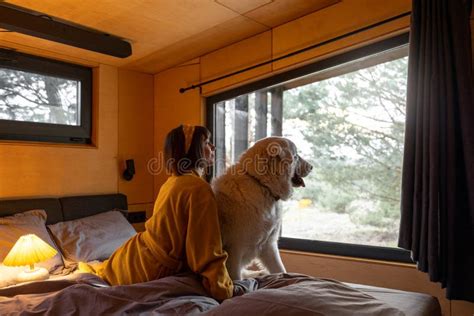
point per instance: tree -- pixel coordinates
(32, 97)
(354, 124)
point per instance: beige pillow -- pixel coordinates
(29, 222)
(92, 238)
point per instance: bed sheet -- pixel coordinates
(277, 294)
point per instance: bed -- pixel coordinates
(89, 228)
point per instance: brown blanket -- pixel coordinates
(278, 294)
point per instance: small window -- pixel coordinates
(44, 100)
(346, 114)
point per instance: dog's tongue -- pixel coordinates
(298, 181)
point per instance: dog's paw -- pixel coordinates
(253, 273)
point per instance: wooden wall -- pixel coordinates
(173, 108)
(135, 137)
(39, 169)
(123, 129)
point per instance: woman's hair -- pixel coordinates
(177, 160)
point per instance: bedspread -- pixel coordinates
(277, 294)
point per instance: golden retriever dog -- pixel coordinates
(247, 196)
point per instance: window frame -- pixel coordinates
(307, 245)
(48, 132)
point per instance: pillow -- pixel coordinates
(91, 238)
(29, 222)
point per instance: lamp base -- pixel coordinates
(33, 275)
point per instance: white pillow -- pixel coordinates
(91, 238)
(29, 222)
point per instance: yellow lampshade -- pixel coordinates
(28, 250)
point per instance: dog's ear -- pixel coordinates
(274, 149)
(280, 149)
(271, 161)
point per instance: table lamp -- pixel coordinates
(28, 250)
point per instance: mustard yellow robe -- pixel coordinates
(183, 233)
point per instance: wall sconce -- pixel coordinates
(129, 170)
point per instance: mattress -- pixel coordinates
(411, 303)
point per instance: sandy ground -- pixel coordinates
(310, 223)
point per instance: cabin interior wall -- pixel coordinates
(135, 137)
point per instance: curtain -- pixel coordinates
(437, 203)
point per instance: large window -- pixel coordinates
(346, 115)
(44, 100)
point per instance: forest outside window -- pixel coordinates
(346, 115)
(44, 100)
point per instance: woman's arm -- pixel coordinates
(204, 252)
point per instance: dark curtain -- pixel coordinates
(437, 220)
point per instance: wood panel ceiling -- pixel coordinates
(163, 33)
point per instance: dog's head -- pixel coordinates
(275, 163)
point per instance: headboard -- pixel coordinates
(66, 208)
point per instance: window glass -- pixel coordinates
(30, 97)
(348, 121)
(351, 128)
(44, 100)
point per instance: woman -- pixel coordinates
(183, 233)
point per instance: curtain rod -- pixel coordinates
(199, 85)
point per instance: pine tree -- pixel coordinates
(354, 124)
